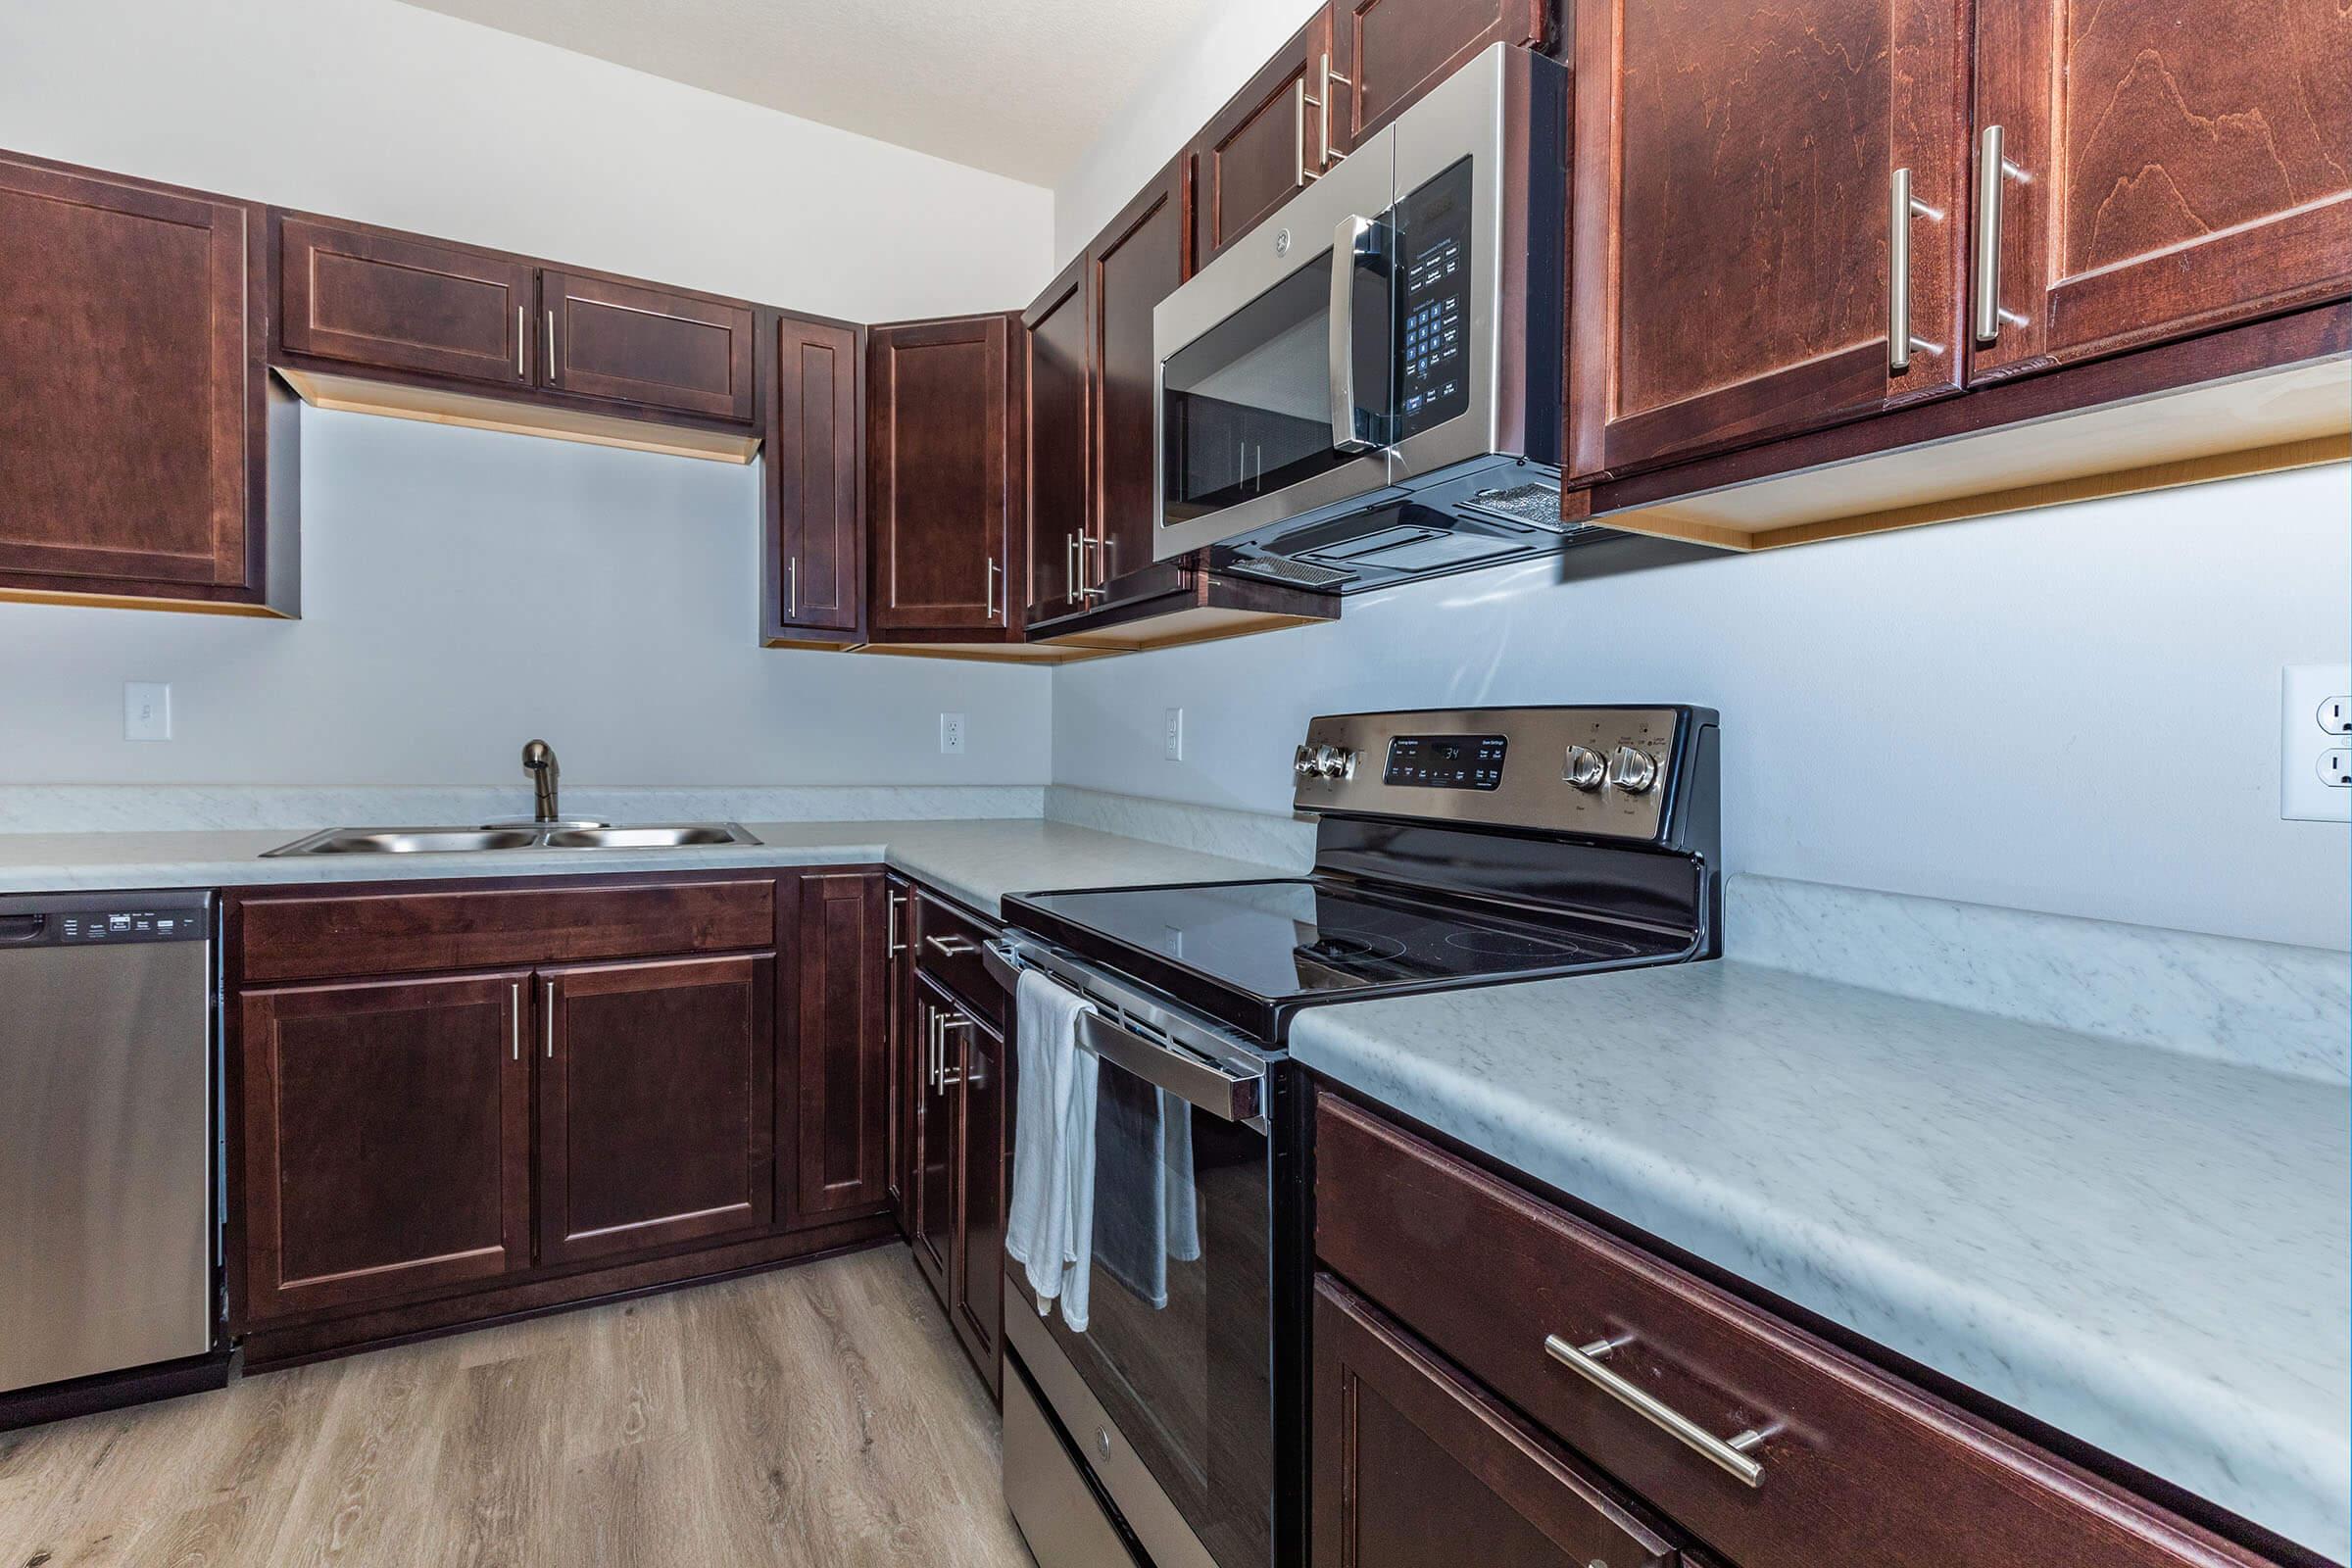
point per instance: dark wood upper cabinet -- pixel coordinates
(656, 1104)
(839, 1095)
(1387, 53)
(655, 348)
(386, 1140)
(1265, 145)
(1132, 266)
(1056, 432)
(815, 563)
(2184, 168)
(1411, 1459)
(133, 402)
(385, 301)
(1732, 260)
(942, 477)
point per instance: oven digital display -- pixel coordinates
(1446, 762)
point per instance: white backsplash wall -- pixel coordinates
(2074, 710)
(465, 591)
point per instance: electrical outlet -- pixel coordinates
(2315, 769)
(1175, 724)
(951, 734)
(146, 710)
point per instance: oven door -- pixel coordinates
(1168, 1393)
(1275, 365)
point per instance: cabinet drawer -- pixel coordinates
(1410, 1461)
(1854, 1466)
(309, 936)
(946, 947)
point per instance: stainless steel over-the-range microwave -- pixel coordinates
(1368, 386)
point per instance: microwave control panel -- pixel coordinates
(1432, 328)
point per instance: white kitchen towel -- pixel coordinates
(1182, 1195)
(1052, 1132)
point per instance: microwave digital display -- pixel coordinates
(1432, 302)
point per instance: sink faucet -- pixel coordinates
(539, 759)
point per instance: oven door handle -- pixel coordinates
(1228, 1097)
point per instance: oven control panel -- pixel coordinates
(1610, 772)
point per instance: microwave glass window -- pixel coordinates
(1248, 404)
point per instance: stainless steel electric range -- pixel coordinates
(1455, 848)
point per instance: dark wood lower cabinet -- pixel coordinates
(656, 1096)
(411, 1155)
(1413, 1462)
(387, 1130)
(976, 1060)
(840, 1095)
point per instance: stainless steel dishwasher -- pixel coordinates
(105, 1133)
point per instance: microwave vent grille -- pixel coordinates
(1536, 503)
(1278, 569)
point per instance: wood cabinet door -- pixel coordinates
(975, 1060)
(839, 1112)
(937, 475)
(1058, 397)
(1387, 53)
(905, 1053)
(125, 427)
(1733, 256)
(1264, 146)
(938, 1154)
(1411, 1462)
(1134, 264)
(2183, 167)
(656, 1104)
(683, 353)
(386, 1140)
(395, 302)
(818, 556)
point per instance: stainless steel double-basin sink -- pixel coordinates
(495, 836)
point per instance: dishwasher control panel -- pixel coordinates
(81, 919)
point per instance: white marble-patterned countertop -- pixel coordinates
(975, 861)
(2143, 1248)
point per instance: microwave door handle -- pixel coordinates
(1345, 238)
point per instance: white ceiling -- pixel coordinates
(1019, 87)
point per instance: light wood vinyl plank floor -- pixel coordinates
(813, 1417)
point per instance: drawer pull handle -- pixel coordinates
(1729, 1454)
(952, 947)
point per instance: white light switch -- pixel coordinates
(951, 734)
(2315, 767)
(146, 710)
(1175, 719)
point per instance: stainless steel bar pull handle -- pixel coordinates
(1073, 593)
(514, 1024)
(891, 942)
(948, 1079)
(792, 587)
(1327, 77)
(949, 947)
(522, 341)
(1344, 239)
(551, 344)
(1993, 169)
(1901, 207)
(1729, 1454)
(1299, 177)
(547, 1018)
(931, 1039)
(991, 590)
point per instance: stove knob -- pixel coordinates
(1583, 768)
(1302, 762)
(1332, 762)
(1633, 771)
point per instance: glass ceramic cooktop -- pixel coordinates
(1276, 940)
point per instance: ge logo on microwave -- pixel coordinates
(1281, 242)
